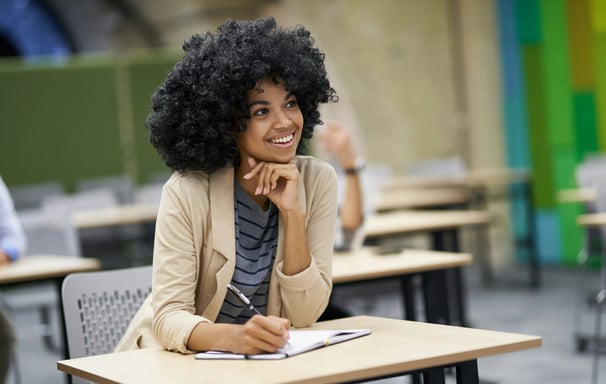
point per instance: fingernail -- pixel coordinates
(258, 190)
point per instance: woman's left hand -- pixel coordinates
(279, 182)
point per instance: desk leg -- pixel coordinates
(435, 295)
(448, 240)
(467, 372)
(408, 298)
(434, 376)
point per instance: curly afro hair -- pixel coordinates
(203, 98)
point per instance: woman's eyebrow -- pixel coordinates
(262, 102)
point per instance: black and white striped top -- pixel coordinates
(256, 242)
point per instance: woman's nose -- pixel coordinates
(282, 120)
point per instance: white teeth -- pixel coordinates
(282, 140)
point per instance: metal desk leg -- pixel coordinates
(448, 240)
(467, 372)
(434, 376)
(408, 298)
(435, 295)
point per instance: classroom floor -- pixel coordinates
(509, 305)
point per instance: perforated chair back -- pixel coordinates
(49, 234)
(98, 306)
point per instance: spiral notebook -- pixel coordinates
(300, 341)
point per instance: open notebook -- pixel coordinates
(300, 341)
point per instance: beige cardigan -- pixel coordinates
(194, 256)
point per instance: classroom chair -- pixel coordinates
(98, 306)
(30, 196)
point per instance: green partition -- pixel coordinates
(81, 118)
(146, 73)
(59, 122)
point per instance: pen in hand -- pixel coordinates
(242, 297)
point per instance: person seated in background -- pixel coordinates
(335, 142)
(12, 245)
(12, 238)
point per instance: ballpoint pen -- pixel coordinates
(242, 297)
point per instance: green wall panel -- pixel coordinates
(600, 87)
(537, 129)
(586, 136)
(580, 52)
(145, 74)
(528, 21)
(58, 122)
(556, 73)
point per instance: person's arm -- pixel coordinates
(12, 238)
(337, 141)
(308, 233)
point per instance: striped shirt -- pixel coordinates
(256, 242)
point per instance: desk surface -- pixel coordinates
(407, 198)
(395, 346)
(42, 267)
(114, 216)
(402, 222)
(578, 195)
(472, 178)
(592, 219)
(366, 264)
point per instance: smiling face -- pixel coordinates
(274, 128)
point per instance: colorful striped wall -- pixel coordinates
(554, 102)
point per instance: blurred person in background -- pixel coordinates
(335, 143)
(12, 245)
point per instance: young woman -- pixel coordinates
(241, 207)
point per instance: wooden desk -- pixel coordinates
(406, 222)
(34, 268)
(366, 264)
(443, 226)
(115, 216)
(472, 178)
(478, 182)
(395, 347)
(577, 195)
(407, 198)
(54, 268)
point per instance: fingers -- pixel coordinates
(265, 333)
(268, 175)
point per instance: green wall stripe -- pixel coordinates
(537, 129)
(528, 21)
(564, 163)
(556, 74)
(580, 52)
(599, 47)
(585, 127)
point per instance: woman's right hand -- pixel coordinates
(262, 334)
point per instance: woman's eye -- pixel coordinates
(260, 112)
(292, 103)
